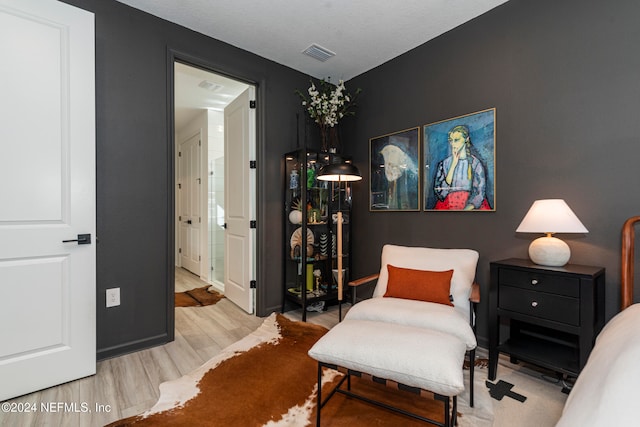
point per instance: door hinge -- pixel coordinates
(253, 164)
(199, 258)
(252, 284)
(199, 180)
(179, 153)
(180, 218)
(252, 103)
(179, 250)
(200, 219)
(199, 143)
(252, 224)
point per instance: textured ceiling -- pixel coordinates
(362, 33)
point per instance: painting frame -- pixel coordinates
(473, 137)
(394, 171)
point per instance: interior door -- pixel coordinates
(240, 179)
(189, 185)
(47, 195)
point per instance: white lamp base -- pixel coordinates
(549, 251)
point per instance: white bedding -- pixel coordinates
(605, 393)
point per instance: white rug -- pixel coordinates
(481, 415)
(543, 391)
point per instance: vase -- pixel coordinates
(329, 137)
(324, 138)
(295, 216)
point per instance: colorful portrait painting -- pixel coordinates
(459, 163)
(394, 172)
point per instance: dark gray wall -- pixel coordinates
(564, 77)
(135, 166)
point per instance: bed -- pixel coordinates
(605, 392)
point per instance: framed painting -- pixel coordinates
(394, 172)
(459, 163)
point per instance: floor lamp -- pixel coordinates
(339, 172)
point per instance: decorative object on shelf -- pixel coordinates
(339, 172)
(309, 277)
(394, 174)
(295, 216)
(296, 243)
(335, 274)
(459, 159)
(327, 104)
(294, 180)
(324, 244)
(317, 277)
(334, 246)
(314, 216)
(550, 216)
(311, 176)
(318, 198)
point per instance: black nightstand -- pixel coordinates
(552, 314)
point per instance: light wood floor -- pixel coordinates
(128, 385)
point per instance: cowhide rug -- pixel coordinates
(267, 379)
(197, 297)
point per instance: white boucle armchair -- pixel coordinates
(430, 339)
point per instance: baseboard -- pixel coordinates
(132, 346)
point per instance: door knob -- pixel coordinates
(83, 239)
(188, 221)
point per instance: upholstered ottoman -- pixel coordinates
(417, 357)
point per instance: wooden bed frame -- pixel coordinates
(626, 285)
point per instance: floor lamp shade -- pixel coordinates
(550, 216)
(338, 172)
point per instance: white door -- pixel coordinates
(239, 147)
(47, 195)
(189, 219)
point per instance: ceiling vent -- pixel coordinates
(213, 87)
(318, 52)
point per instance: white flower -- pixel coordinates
(327, 104)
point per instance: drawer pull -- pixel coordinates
(534, 282)
(534, 304)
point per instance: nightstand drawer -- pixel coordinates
(553, 284)
(539, 304)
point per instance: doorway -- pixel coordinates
(205, 171)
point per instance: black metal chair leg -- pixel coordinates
(455, 410)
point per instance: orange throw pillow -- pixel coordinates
(421, 285)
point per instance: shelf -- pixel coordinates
(541, 352)
(315, 204)
(295, 295)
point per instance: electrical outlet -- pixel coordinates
(113, 297)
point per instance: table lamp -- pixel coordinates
(339, 172)
(550, 216)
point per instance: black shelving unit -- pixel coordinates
(310, 208)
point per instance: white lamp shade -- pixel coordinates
(551, 216)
